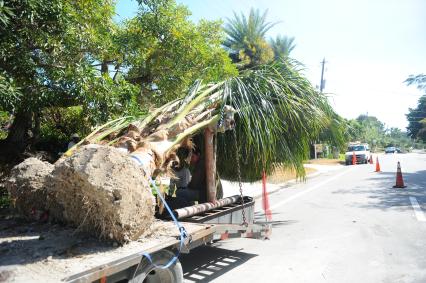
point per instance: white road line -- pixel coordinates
(417, 210)
(293, 197)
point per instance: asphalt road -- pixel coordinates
(349, 225)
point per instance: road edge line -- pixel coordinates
(293, 197)
(417, 210)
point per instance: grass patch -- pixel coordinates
(281, 175)
(325, 161)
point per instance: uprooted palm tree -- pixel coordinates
(275, 111)
(277, 114)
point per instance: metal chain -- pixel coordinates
(237, 154)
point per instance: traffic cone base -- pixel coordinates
(399, 180)
(399, 187)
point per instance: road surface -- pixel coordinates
(349, 225)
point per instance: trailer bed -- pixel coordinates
(35, 252)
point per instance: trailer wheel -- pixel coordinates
(148, 273)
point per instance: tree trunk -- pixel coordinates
(36, 130)
(104, 67)
(18, 132)
(210, 164)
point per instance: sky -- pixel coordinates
(370, 47)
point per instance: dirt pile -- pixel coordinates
(27, 187)
(104, 192)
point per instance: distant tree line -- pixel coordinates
(417, 116)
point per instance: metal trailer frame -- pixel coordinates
(125, 268)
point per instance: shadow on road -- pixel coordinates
(381, 194)
(207, 263)
(259, 218)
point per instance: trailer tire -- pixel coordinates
(149, 273)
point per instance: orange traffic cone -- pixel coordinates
(371, 159)
(353, 159)
(265, 200)
(377, 165)
(399, 180)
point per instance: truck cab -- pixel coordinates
(361, 151)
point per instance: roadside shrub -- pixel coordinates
(4, 123)
(58, 124)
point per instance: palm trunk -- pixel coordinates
(18, 132)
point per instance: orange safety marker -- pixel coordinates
(377, 165)
(265, 200)
(371, 159)
(399, 181)
(353, 159)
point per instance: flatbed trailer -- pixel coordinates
(36, 252)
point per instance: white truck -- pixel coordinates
(361, 151)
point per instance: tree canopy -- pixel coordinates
(246, 41)
(371, 130)
(79, 56)
(282, 46)
(164, 52)
(417, 116)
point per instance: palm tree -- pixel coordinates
(278, 113)
(246, 38)
(282, 46)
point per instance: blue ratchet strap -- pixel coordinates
(137, 159)
(182, 232)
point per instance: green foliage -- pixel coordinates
(417, 116)
(419, 80)
(4, 124)
(335, 133)
(279, 113)
(370, 130)
(282, 46)
(4, 198)
(246, 39)
(58, 124)
(5, 14)
(164, 52)
(48, 58)
(10, 96)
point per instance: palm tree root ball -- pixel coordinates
(27, 188)
(104, 192)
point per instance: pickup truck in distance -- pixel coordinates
(362, 153)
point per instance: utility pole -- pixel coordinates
(321, 89)
(322, 75)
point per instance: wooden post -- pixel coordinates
(210, 165)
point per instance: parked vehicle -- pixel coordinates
(362, 153)
(390, 149)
